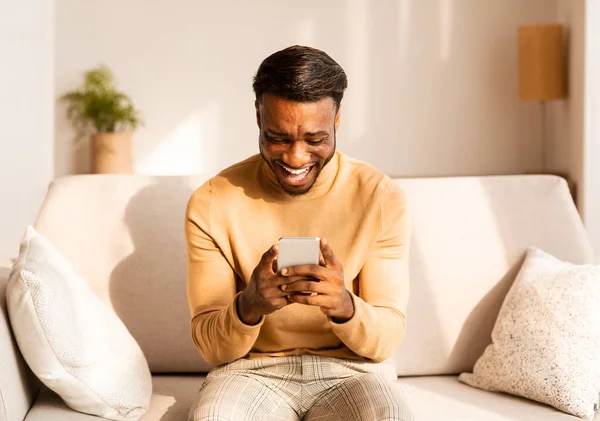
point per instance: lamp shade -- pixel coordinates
(541, 63)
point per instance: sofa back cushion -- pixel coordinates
(124, 235)
(469, 239)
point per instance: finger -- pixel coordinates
(306, 286)
(292, 279)
(274, 291)
(279, 280)
(279, 293)
(268, 258)
(306, 271)
(328, 254)
(322, 301)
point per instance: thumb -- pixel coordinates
(327, 253)
(269, 258)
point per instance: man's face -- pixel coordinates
(297, 139)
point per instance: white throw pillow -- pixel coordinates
(73, 342)
(546, 340)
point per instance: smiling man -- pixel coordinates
(281, 354)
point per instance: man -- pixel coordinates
(282, 355)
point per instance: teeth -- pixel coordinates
(296, 172)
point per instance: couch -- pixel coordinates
(124, 235)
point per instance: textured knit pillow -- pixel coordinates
(73, 342)
(546, 341)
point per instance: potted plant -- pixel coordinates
(111, 117)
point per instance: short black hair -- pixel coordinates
(301, 74)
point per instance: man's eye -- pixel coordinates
(316, 141)
(272, 140)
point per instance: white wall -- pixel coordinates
(576, 143)
(26, 115)
(566, 117)
(433, 83)
(591, 188)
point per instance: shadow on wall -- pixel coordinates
(148, 287)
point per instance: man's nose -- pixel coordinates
(296, 156)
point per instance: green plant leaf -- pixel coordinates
(99, 104)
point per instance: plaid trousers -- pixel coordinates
(304, 387)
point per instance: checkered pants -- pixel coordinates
(301, 387)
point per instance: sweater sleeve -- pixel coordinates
(379, 322)
(217, 331)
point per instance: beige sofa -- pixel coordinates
(124, 234)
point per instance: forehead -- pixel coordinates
(285, 114)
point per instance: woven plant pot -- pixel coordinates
(111, 153)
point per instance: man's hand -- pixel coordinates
(264, 294)
(331, 293)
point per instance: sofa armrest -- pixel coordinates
(18, 385)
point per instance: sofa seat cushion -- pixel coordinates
(430, 398)
(172, 397)
(444, 398)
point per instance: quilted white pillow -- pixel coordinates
(546, 340)
(74, 343)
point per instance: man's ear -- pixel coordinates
(338, 115)
(257, 108)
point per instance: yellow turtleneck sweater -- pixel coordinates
(237, 215)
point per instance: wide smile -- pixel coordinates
(295, 177)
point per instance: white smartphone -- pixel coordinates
(294, 251)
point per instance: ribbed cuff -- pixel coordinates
(238, 323)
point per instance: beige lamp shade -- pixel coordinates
(541, 63)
